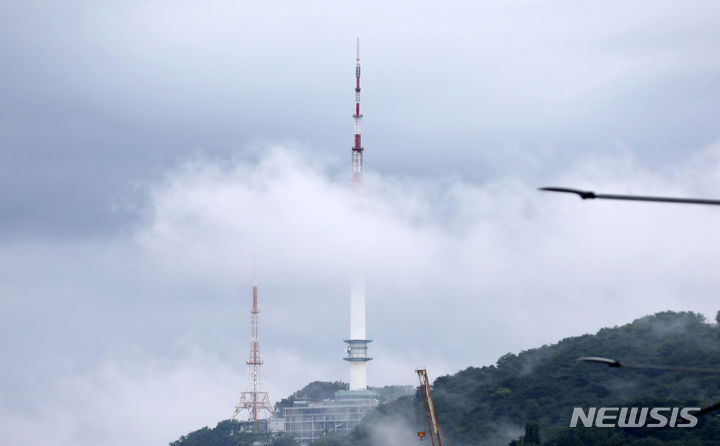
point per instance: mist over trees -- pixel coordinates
(528, 398)
(494, 405)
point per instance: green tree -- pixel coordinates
(532, 433)
(315, 391)
(284, 441)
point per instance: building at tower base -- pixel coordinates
(308, 421)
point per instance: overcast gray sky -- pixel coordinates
(148, 148)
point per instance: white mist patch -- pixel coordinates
(393, 431)
(482, 246)
(130, 397)
(457, 274)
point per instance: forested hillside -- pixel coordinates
(491, 405)
(532, 394)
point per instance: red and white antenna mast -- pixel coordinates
(254, 399)
(357, 150)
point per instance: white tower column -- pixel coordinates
(356, 352)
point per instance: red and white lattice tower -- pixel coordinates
(254, 398)
(357, 346)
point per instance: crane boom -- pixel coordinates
(430, 414)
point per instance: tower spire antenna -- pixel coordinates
(357, 150)
(254, 267)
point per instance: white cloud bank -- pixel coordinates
(142, 338)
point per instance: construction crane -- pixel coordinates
(433, 427)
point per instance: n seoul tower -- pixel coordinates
(357, 347)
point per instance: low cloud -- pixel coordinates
(142, 336)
